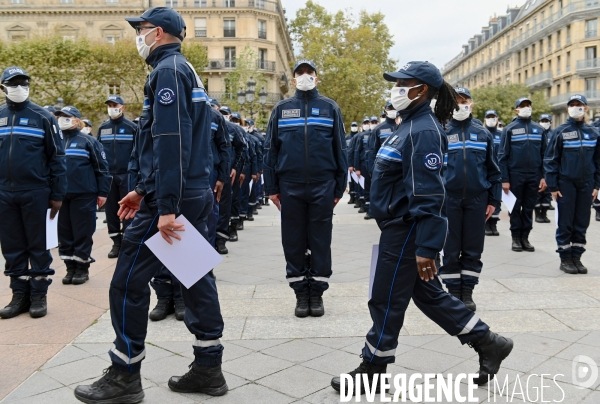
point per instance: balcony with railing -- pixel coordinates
(588, 67)
(229, 33)
(200, 33)
(262, 34)
(220, 64)
(265, 65)
(540, 80)
(267, 5)
(591, 33)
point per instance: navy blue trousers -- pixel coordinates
(166, 285)
(23, 240)
(464, 243)
(222, 230)
(236, 199)
(396, 282)
(213, 217)
(364, 172)
(525, 188)
(130, 294)
(119, 187)
(573, 217)
(76, 227)
(245, 195)
(306, 220)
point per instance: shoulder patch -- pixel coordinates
(3, 121)
(453, 139)
(432, 161)
(103, 155)
(570, 135)
(520, 131)
(290, 113)
(166, 96)
(24, 121)
(105, 131)
(73, 144)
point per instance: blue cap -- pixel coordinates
(11, 72)
(546, 116)
(424, 71)
(69, 110)
(388, 105)
(50, 108)
(166, 18)
(366, 119)
(463, 91)
(305, 62)
(354, 124)
(577, 97)
(491, 112)
(521, 100)
(214, 101)
(117, 99)
(250, 122)
(87, 122)
(236, 115)
(225, 110)
(374, 118)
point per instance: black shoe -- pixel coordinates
(545, 215)
(258, 206)
(163, 308)
(467, 299)
(488, 229)
(527, 245)
(250, 218)
(457, 293)
(364, 368)
(581, 269)
(316, 306)
(351, 201)
(81, 276)
(538, 216)
(221, 249)
(550, 207)
(200, 379)
(567, 266)
(494, 228)
(114, 251)
(39, 306)
(367, 216)
(179, 309)
(20, 303)
(598, 215)
(267, 202)
(302, 309)
(239, 225)
(358, 203)
(233, 236)
(114, 387)
(254, 211)
(492, 350)
(68, 278)
(104, 221)
(362, 208)
(516, 244)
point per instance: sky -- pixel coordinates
(432, 30)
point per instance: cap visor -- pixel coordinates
(393, 76)
(133, 21)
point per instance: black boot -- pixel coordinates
(249, 217)
(367, 216)
(362, 206)
(488, 229)
(240, 225)
(527, 245)
(544, 212)
(516, 244)
(302, 309)
(567, 266)
(364, 368)
(71, 268)
(20, 303)
(581, 269)
(82, 274)
(550, 207)
(467, 299)
(114, 387)
(114, 251)
(254, 211)
(39, 306)
(598, 215)
(358, 203)
(258, 206)
(267, 201)
(538, 216)
(316, 306)
(200, 379)
(351, 201)
(221, 249)
(493, 226)
(233, 236)
(179, 309)
(457, 293)
(492, 350)
(163, 308)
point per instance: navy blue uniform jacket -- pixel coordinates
(378, 136)
(522, 147)
(87, 168)
(116, 136)
(219, 146)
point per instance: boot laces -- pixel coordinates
(191, 374)
(106, 380)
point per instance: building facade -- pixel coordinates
(224, 27)
(548, 45)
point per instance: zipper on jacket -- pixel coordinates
(12, 127)
(528, 154)
(581, 155)
(464, 162)
(115, 147)
(306, 137)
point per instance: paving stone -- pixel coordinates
(561, 368)
(296, 381)
(255, 366)
(63, 395)
(568, 336)
(252, 393)
(335, 343)
(450, 346)
(36, 384)
(259, 344)
(593, 338)
(98, 349)
(161, 370)
(539, 344)
(523, 361)
(297, 351)
(578, 319)
(70, 353)
(73, 372)
(160, 395)
(334, 363)
(421, 359)
(579, 349)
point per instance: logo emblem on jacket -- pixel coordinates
(586, 136)
(122, 130)
(432, 161)
(103, 156)
(453, 138)
(315, 111)
(535, 130)
(473, 136)
(24, 121)
(166, 96)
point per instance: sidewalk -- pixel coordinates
(273, 357)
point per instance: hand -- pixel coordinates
(506, 187)
(232, 175)
(594, 194)
(218, 190)
(429, 268)
(167, 227)
(557, 194)
(101, 201)
(357, 173)
(543, 185)
(351, 169)
(242, 178)
(129, 205)
(255, 178)
(489, 211)
(275, 200)
(335, 201)
(54, 208)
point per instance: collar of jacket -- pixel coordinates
(574, 122)
(162, 52)
(314, 93)
(118, 120)
(421, 109)
(390, 121)
(17, 106)
(458, 123)
(523, 120)
(71, 132)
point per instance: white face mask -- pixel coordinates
(432, 103)
(491, 122)
(462, 113)
(17, 94)
(354, 129)
(391, 113)
(373, 126)
(400, 99)
(87, 130)
(525, 112)
(140, 42)
(114, 112)
(576, 112)
(306, 82)
(65, 123)
(545, 125)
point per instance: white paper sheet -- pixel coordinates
(189, 259)
(361, 182)
(509, 200)
(354, 176)
(51, 231)
(374, 256)
(262, 179)
(250, 186)
(556, 214)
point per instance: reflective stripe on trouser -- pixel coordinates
(22, 215)
(464, 244)
(525, 188)
(396, 282)
(306, 219)
(573, 217)
(119, 187)
(130, 295)
(76, 227)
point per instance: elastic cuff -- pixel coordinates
(56, 198)
(133, 368)
(208, 362)
(426, 252)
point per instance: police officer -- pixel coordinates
(175, 162)
(492, 124)
(87, 129)
(572, 165)
(349, 147)
(407, 199)
(117, 137)
(305, 176)
(257, 190)
(544, 199)
(32, 179)
(361, 153)
(250, 169)
(381, 133)
(474, 188)
(522, 146)
(364, 127)
(88, 183)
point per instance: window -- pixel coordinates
(199, 3)
(17, 1)
(200, 27)
(507, 64)
(229, 57)
(590, 52)
(18, 38)
(591, 85)
(526, 55)
(558, 39)
(68, 37)
(112, 39)
(171, 3)
(568, 34)
(262, 29)
(533, 52)
(262, 59)
(591, 28)
(112, 1)
(260, 4)
(568, 62)
(229, 28)
(568, 85)
(549, 43)
(66, 1)
(507, 78)
(541, 47)
(228, 3)
(558, 65)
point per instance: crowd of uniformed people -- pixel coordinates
(430, 174)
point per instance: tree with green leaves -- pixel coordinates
(502, 99)
(351, 54)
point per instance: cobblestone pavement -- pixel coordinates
(273, 357)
